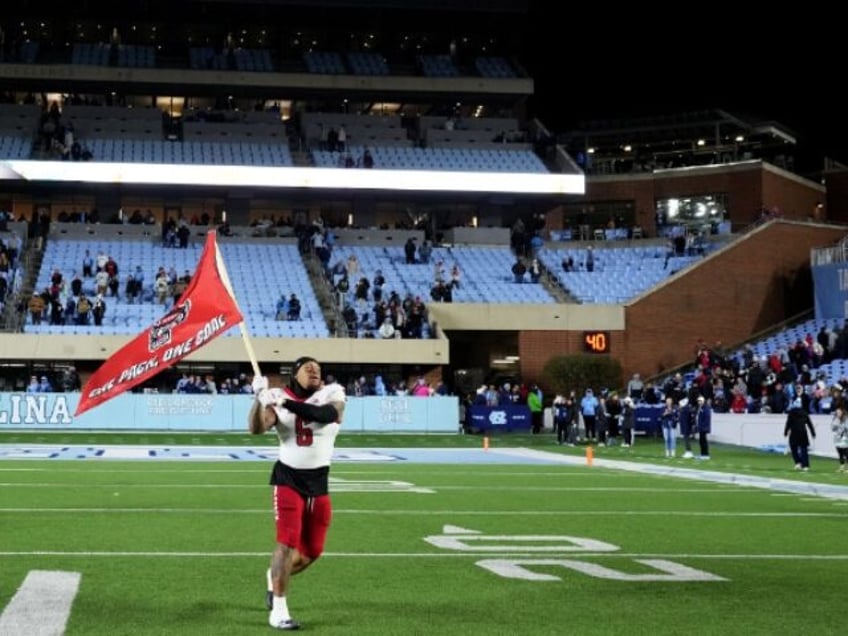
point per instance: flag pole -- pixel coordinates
(245, 336)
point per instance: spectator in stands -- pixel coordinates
(352, 266)
(409, 250)
(87, 265)
(70, 380)
(169, 233)
(84, 309)
(341, 139)
(535, 271)
(425, 251)
(293, 312)
(33, 386)
(568, 264)
(651, 394)
(421, 388)
(282, 308)
(455, 276)
(635, 387)
(439, 291)
(76, 285)
(70, 310)
(36, 308)
(590, 259)
(387, 329)
(518, 237)
(519, 269)
(44, 386)
(439, 270)
(183, 234)
(351, 320)
(367, 159)
(98, 309)
(161, 287)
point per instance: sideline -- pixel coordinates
(465, 456)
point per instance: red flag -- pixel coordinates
(204, 311)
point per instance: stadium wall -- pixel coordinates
(750, 186)
(742, 289)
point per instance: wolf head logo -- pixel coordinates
(161, 332)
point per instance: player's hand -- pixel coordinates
(270, 397)
(259, 384)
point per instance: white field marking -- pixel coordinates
(42, 604)
(433, 555)
(338, 486)
(560, 543)
(671, 572)
(468, 513)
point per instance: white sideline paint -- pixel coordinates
(42, 604)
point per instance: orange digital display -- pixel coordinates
(596, 341)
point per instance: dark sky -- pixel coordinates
(584, 71)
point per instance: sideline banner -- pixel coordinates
(213, 413)
(509, 417)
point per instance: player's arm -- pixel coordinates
(320, 414)
(261, 418)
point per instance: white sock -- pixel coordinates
(281, 609)
(268, 579)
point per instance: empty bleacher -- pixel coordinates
(398, 157)
(619, 274)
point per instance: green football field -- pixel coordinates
(431, 534)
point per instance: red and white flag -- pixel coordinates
(204, 311)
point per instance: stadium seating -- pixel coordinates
(486, 273)
(257, 289)
(619, 274)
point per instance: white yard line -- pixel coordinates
(42, 604)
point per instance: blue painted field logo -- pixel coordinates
(34, 409)
(465, 540)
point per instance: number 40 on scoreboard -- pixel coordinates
(596, 341)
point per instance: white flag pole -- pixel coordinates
(245, 336)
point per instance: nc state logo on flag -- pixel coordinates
(162, 331)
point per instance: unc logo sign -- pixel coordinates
(497, 418)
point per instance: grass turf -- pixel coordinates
(181, 547)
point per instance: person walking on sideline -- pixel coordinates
(839, 426)
(307, 415)
(797, 423)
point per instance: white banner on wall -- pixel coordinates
(191, 412)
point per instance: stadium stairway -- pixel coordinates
(325, 294)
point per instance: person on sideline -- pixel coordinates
(839, 426)
(307, 415)
(797, 423)
(702, 422)
(668, 421)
